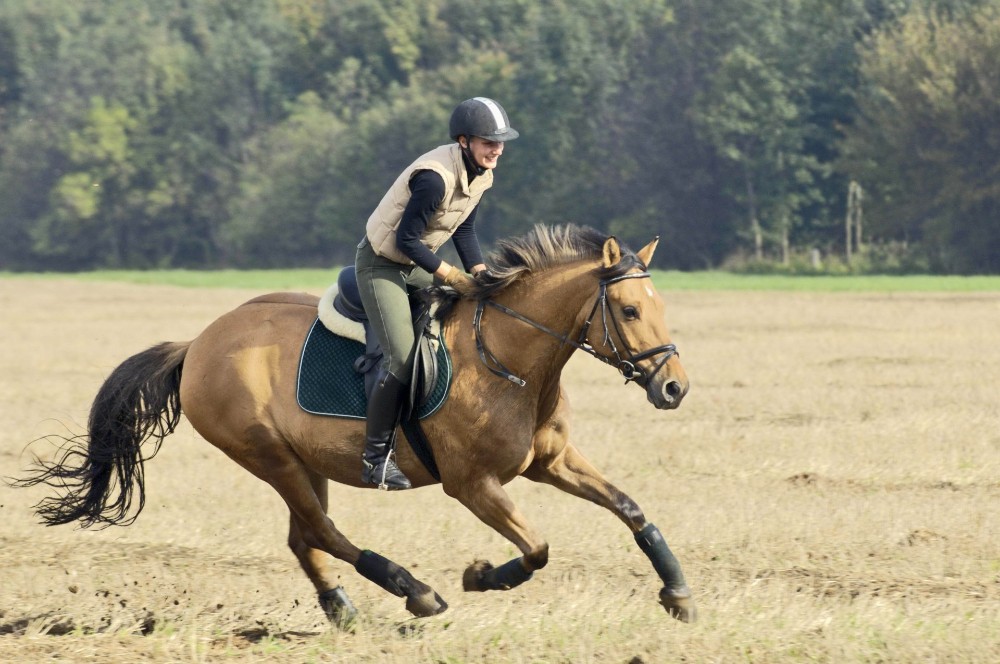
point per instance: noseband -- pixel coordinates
(628, 366)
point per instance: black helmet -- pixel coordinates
(481, 117)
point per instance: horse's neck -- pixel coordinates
(552, 298)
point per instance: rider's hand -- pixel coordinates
(460, 281)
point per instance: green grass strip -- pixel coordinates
(317, 280)
(258, 280)
(721, 281)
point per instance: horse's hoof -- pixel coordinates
(472, 578)
(427, 604)
(345, 620)
(678, 603)
(338, 608)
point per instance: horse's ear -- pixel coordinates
(646, 253)
(612, 252)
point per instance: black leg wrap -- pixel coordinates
(664, 562)
(385, 573)
(509, 575)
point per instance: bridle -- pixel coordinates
(627, 366)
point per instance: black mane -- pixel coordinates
(541, 248)
(544, 247)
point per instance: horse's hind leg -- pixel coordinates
(316, 563)
(559, 463)
(315, 530)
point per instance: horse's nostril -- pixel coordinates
(672, 389)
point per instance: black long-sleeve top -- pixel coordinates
(426, 194)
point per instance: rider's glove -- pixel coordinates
(460, 281)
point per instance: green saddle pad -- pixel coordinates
(329, 385)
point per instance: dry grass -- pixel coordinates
(831, 486)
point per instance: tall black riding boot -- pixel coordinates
(384, 406)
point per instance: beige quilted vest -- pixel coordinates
(460, 199)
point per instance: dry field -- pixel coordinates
(831, 486)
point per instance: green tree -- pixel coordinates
(925, 145)
(263, 132)
(660, 175)
(281, 216)
(568, 65)
(97, 177)
(755, 112)
(195, 82)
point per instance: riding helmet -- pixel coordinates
(482, 117)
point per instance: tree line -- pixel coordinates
(261, 133)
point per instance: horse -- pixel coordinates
(549, 293)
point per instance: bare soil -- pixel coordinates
(831, 486)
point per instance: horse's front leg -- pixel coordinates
(559, 463)
(487, 499)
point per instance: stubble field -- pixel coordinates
(831, 486)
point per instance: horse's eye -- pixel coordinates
(631, 313)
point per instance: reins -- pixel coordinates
(627, 366)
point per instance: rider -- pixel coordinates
(435, 198)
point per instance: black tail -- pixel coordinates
(98, 473)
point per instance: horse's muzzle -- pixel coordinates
(667, 394)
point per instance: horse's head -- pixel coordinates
(625, 327)
(628, 329)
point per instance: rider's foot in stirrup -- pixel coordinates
(386, 475)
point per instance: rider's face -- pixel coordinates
(484, 152)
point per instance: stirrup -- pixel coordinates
(389, 478)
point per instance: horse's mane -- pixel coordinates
(544, 247)
(541, 248)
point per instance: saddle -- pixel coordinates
(340, 359)
(423, 380)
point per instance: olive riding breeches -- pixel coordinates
(385, 286)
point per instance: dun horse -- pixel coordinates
(552, 292)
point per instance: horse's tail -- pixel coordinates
(99, 473)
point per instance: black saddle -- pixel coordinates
(425, 364)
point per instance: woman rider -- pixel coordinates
(435, 198)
